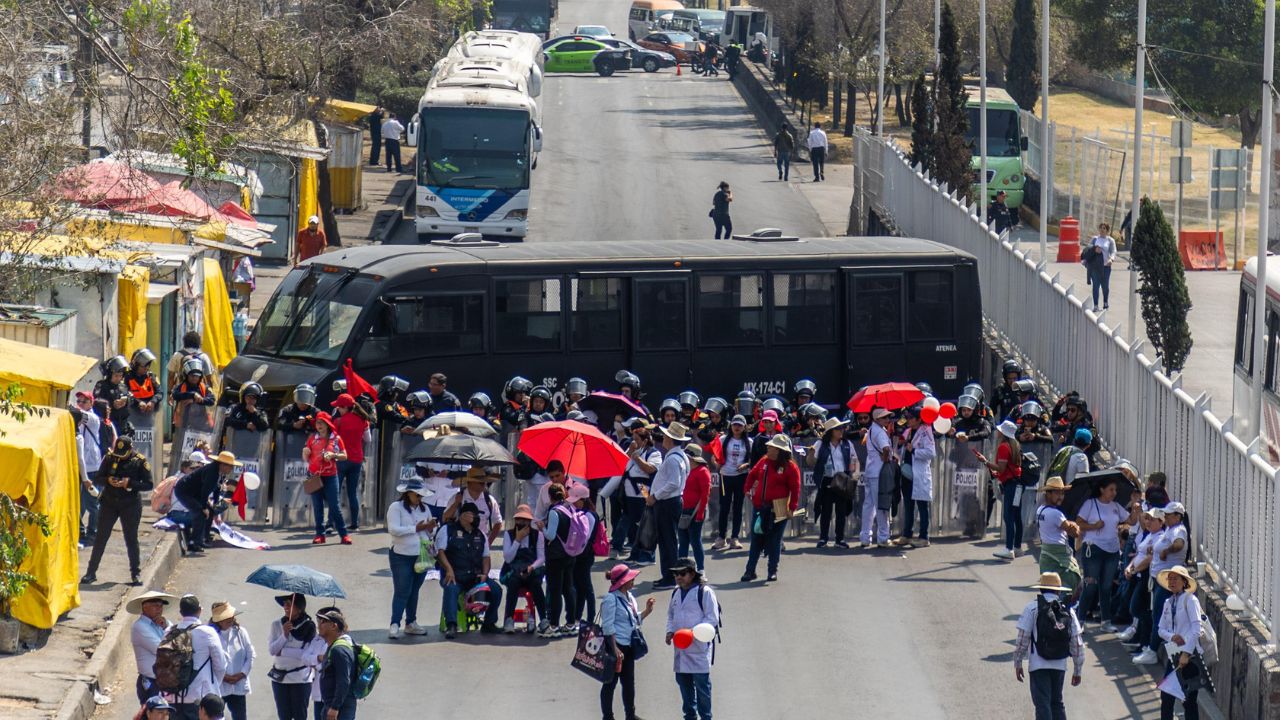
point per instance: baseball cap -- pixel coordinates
(738, 420)
(770, 415)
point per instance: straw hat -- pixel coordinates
(1052, 582)
(475, 474)
(780, 441)
(677, 431)
(832, 424)
(224, 611)
(1180, 571)
(695, 455)
(134, 607)
(1053, 483)
(226, 457)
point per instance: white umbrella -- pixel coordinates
(462, 422)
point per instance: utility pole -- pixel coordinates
(982, 109)
(1046, 173)
(937, 38)
(1264, 219)
(1139, 95)
(880, 103)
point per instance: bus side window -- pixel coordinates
(730, 310)
(431, 325)
(1273, 328)
(930, 305)
(804, 308)
(1244, 331)
(661, 318)
(877, 309)
(527, 315)
(597, 313)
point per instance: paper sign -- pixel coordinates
(1172, 686)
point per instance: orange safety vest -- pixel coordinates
(144, 390)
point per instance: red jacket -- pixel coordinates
(782, 482)
(351, 429)
(697, 491)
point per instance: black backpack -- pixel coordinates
(1030, 469)
(719, 617)
(1052, 635)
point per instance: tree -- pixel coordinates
(1165, 300)
(1022, 75)
(951, 154)
(921, 126)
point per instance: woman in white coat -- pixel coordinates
(240, 657)
(923, 451)
(692, 603)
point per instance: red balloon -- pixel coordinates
(683, 638)
(928, 415)
(947, 410)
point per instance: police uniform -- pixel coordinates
(144, 388)
(240, 417)
(112, 392)
(391, 415)
(290, 415)
(122, 503)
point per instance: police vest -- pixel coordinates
(144, 390)
(466, 550)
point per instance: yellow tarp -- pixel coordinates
(38, 466)
(41, 371)
(131, 299)
(308, 191)
(345, 111)
(217, 340)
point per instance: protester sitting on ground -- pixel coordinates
(462, 550)
(1049, 632)
(410, 525)
(1055, 528)
(524, 560)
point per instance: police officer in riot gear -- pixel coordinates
(539, 400)
(300, 415)
(246, 415)
(689, 402)
(115, 391)
(515, 407)
(193, 390)
(712, 422)
(481, 406)
(668, 411)
(746, 405)
(122, 477)
(1006, 397)
(1033, 423)
(143, 386)
(574, 391)
(419, 403)
(391, 414)
(925, 388)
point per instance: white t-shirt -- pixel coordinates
(1111, 514)
(1027, 624)
(1106, 245)
(1145, 545)
(484, 521)
(1051, 531)
(735, 453)
(1167, 538)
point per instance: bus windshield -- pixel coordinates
(479, 148)
(1003, 136)
(531, 16)
(310, 316)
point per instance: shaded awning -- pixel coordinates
(41, 370)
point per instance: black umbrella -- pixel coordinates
(1085, 486)
(462, 449)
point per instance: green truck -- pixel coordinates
(1005, 145)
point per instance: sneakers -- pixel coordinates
(1109, 628)
(900, 541)
(613, 554)
(920, 543)
(568, 630)
(734, 544)
(1146, 657)
(1005, 554)
(822, 543)
(884, 545)
(748, 577)
(394, 631)
(772, 577)
(135, 579)
(719, 544)
(414, 628)
(89, 579)
(1127, 634)
(548, 631)
(842, 544)
(318, 540)
(509, 626)
(346, 539)
(864, 545)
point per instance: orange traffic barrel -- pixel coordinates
(1069, 240)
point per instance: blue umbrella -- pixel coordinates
(297, 579)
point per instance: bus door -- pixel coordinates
(597, 329)
(934, 351)
(874, 330)
(660, 347)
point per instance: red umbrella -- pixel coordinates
(584, 451)
(890, 396)
(606, 405)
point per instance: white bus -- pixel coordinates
(1243, 376)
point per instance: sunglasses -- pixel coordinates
(683, 572)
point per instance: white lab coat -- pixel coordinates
(240, 657)
(684, 612)
(923, 451)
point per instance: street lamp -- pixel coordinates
(1139, 95)
(880, 79)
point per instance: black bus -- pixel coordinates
(713, 316)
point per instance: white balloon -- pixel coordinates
(932, 402)
(942, 426)
(252, 481)
(704, 632)
(1234, 602)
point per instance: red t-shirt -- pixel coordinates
(351, 429)
(316, 464)
(310, 244)
(697, 491)
(1013, 470)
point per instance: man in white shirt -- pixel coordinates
(1048, 673)
(476, 491)
(818, 151)
(667, 496)
(208, 659)
(146, 634)
(391, 132)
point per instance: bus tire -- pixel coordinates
(605, 68)
(650, 65)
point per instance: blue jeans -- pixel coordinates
(770, 541)
(194, 526)
(695, 694)
(328, 495)
(784, 165)
(89, 505)
(349, 475)
(1099, 575)
(1158, 596)
(1012, 516)
(454, 591)
(1100, 277)
(632, 510)
(1046, 694)
(691, 540)
(405, 584)
(912, 508)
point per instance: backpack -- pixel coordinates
(1030, 469)
(719, 616)
(1058, 466)
(579, 530)
(368, 667)
(600, 543)
(174, 668)
(1052, 635)
(162, 496)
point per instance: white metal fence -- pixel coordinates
(1141, 413)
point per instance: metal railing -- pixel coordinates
(1141, 413)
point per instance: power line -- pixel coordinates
(1219, 58)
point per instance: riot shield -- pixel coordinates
(961, 489)
(146, 430)
(290, 506)
(195, 423)
(253, 450)
(397, 470)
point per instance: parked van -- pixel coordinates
(644, 16)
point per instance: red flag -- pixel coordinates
(716, 450)
(356, 384)
(240, 498)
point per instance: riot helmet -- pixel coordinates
(250, 389)
(1025, 385)
(716, 405)
(669, 404)
(925, 388)
(813, 410)
(628, 379)
(142, 356)
(975, 390)
(689, 399)
(114, 365)
(479, 400)
(1011, 366)
(392, 384)
(774, 404)
(514, 386)
(967, 400)
(576, 386)
(418, 399)
(191, 365)
(305, 394)
(745, 404)
(805, 387)
(1030, 408)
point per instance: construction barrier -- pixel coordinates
(1201, 250)
(1069, 240)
